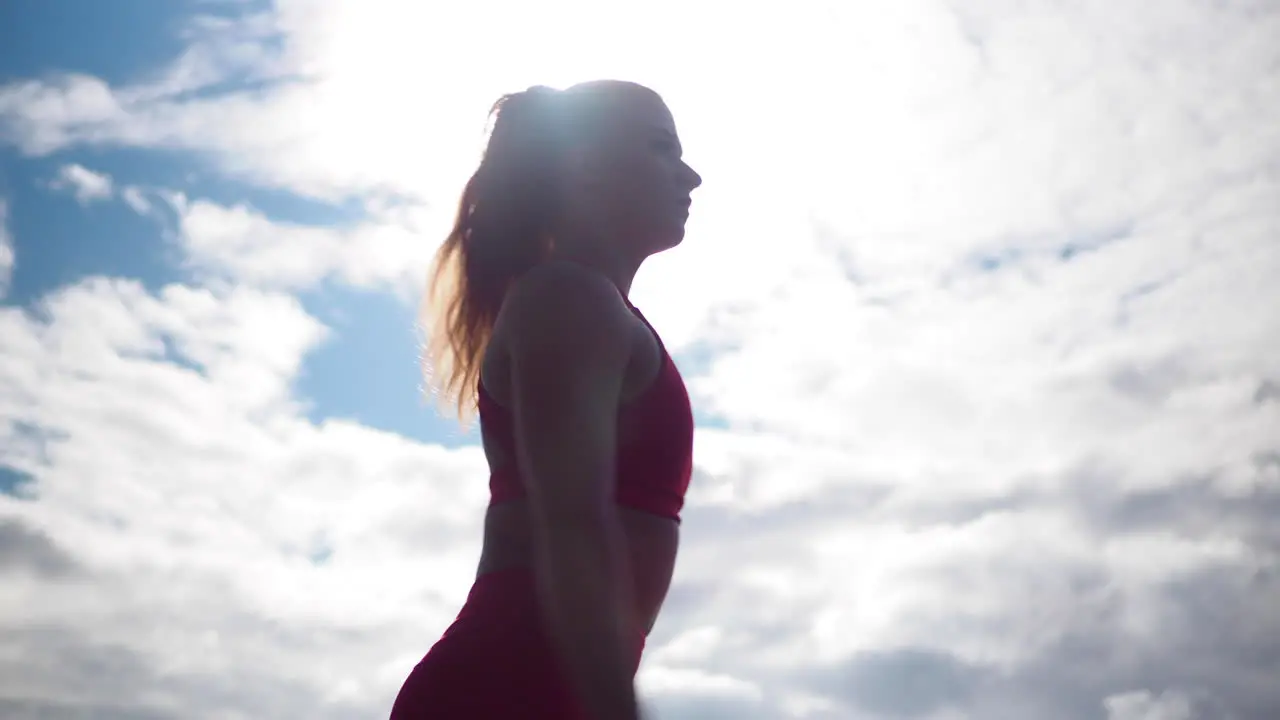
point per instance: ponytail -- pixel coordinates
(502, 229)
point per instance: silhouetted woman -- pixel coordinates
(585, 420)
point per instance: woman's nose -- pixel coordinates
(692, 177)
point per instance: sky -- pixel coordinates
(977, 307)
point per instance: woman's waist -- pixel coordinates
(643, 493)
(651, 544)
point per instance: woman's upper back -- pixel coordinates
(577, 388)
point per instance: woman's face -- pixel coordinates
(631, 177)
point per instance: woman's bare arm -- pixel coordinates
(569, 341)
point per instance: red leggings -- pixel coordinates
(495, 662)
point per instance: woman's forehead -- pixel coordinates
(641, 111)
(628, 105)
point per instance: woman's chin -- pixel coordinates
(669, 239)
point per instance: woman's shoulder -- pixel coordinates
(562, 279)
(559, 293)
(562, 302)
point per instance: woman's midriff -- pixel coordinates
(652, 542)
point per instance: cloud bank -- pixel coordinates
(979, 301)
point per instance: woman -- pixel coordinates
(585, 420)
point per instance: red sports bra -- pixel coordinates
(653, 467)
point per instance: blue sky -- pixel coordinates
(974, 307)
(367, 371)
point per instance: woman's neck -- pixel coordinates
(599, 255)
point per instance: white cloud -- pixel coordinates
(391, 249)
(6, 250)
(137, 201)
(1145, 706)
(981, 293)
(84, 183)
(187, 500)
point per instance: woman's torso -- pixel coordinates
(652, 540)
